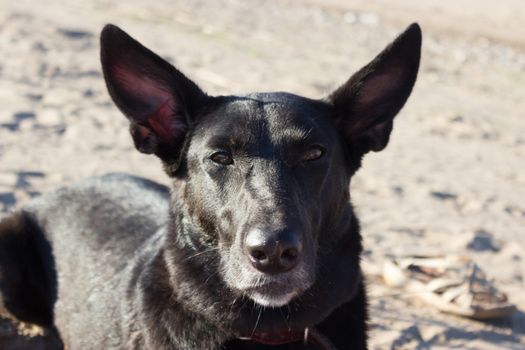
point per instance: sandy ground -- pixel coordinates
(451, 181)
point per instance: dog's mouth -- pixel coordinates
(272, 294)
(266, 289)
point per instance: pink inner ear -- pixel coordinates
(165, 122)
(376, 92)
(380, 87)
(160, 113)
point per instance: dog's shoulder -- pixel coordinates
(113, 213)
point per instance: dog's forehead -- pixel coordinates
(277, 107)
(277, 115)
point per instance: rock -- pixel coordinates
(74, 33)
(369, 18)
(443, 195)
(433, 333)
(88, 93)
(7, 179)
(469, 205)
(49, 117)
(398, 190)
(483, 241)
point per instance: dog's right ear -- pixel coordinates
(368, 102)
(158, 100)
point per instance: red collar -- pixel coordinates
(308, 336)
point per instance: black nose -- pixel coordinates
(273, 251)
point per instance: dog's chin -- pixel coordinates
(267, 290)
(272, 300)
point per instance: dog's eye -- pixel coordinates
(222, 157)
(313, 153)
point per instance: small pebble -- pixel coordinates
(483, 242)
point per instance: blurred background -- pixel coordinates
(452, 179)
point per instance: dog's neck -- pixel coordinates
(309, 336)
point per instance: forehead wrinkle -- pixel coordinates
(285, 126)
(296, 135)
(247, 126)
(260, 125)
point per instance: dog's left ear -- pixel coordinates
(368, 102)
(158, 100)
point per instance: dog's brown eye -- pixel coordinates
(313, 153)
(221, 157)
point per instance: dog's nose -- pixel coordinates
(273, 251)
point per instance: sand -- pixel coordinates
(452, 179)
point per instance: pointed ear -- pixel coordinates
(368, 102)
(158, 100)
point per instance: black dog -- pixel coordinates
(257, 247)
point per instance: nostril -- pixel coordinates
(290, 254)
(289, 258)
(258, 255)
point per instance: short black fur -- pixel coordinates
(257, 240)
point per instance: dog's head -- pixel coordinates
(264, 176)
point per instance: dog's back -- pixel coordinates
(98, 226)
